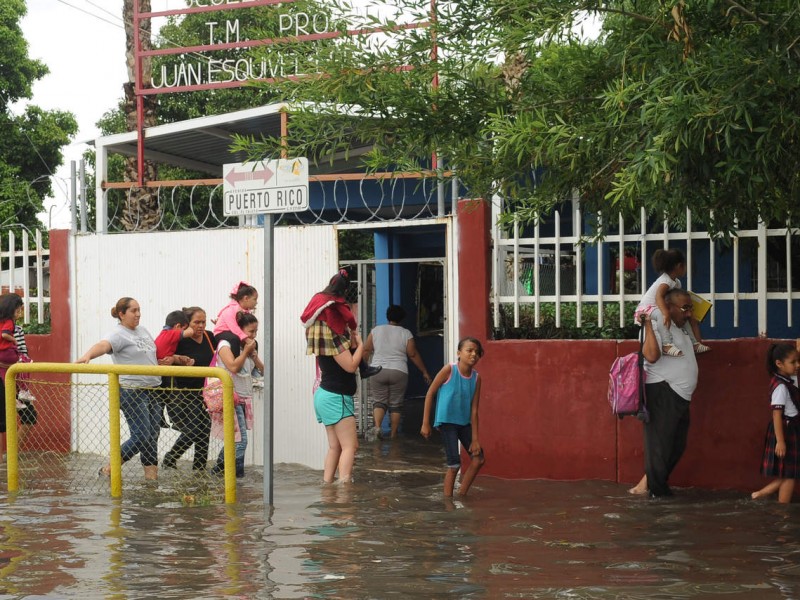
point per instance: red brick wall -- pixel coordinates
(52, 432)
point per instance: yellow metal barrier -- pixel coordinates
(113, 372)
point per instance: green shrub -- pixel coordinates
(569, 329)
(34, 327)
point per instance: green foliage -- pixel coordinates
(38, 328)
(355, 244)
(31, 143)
(569, 329)
(34, 327)
(669, 105)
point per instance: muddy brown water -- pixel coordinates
(391, 534)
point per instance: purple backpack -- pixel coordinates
(626, 379)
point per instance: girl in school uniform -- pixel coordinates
(781, 442)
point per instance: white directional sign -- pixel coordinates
(268, 186)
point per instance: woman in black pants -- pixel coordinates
(187, 410)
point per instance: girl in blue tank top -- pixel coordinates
(457, 389)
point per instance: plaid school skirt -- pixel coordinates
(787, 467)
(322, 341)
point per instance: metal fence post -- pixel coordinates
(115, 443)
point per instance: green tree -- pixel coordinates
(671, 104)
(31, 144)
(140, 209)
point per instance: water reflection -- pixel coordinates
(392, 534)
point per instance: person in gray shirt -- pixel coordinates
(391, 346)
(670, 384)
(131, 344)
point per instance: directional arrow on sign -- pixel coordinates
(264, 175)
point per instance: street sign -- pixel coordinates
(267, 186)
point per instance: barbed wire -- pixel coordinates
(197, 207)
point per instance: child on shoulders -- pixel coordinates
(244, 298)
(671, 264)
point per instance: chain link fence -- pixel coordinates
(63, 437)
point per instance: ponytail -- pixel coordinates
(778, 352)
(664, 261)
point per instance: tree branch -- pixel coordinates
(735, 5)
(634, 16)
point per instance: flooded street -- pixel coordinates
(390, 534)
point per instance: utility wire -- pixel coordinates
(159, 37)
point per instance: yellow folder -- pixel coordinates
(700, 306)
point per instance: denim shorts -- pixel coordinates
(451, 435)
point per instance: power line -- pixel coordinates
(65, 3)
(158, 35)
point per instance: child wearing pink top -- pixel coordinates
(244, 298)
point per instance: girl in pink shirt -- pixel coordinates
(244, 298)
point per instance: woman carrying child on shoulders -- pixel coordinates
(238, 357)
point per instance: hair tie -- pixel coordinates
(343, 273)
(236, 287)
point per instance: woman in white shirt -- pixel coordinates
(238, 357)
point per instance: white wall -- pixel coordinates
(165, 271)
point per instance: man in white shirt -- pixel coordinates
(671, 381)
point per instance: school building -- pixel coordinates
(544, 412)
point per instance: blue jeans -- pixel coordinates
(242, 445)
(451, 435)
(142, 412)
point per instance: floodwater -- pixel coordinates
(391, 534)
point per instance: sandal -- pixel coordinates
(671, 350)
(701, 348)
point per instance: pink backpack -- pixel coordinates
(626, 379)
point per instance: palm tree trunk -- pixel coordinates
(141, 210)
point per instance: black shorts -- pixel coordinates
(27, 415)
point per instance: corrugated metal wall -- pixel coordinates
(169, 270)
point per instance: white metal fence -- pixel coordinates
(26, 271)
(537, 267)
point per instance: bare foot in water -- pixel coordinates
(767, 490)
(640, 488)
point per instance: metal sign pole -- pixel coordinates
(264, 188)
(268, 354)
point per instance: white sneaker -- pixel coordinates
(25, 395)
